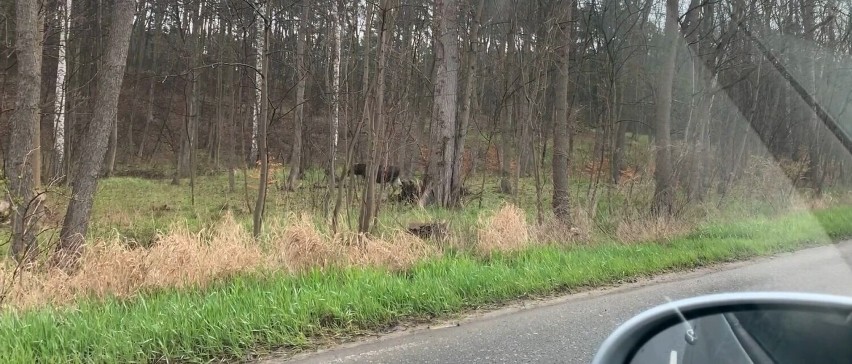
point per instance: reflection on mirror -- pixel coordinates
(753, 336)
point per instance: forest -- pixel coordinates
(530, 94)
(538, 95)
(237, 136)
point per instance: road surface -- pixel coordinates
(569, 329)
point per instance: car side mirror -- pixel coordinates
(770, 327)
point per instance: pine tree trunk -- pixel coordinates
(21, 166)
(110, 75)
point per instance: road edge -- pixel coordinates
(496, 311)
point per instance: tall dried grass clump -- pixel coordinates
(106, 269)
(298, 246)
(554, 231)
(181, 258)
(397, 251)
(505, 231)
(111, 268)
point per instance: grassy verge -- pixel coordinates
(243, 314)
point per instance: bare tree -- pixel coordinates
(443, 130)
(336, 19)
(149, 110)
(338, 114)
(663, 191)
(263, 55)
(561, 155)
(189, 139)
(21, 163)
(85, 182)
(376, 126)
(59, 102)
(336, 43)
(507, 105)
(470, 64)
(216, 143)
(302, 74)
(259, 45)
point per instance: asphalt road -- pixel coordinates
(569, 329)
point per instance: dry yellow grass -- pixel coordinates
(298, 246)
(107, 269)
(182, 259)
(396, 252)
(632, 230)
(506, 230)
(554, 231)
(110, 268)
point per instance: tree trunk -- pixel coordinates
(618, 152)
(263, 55)
(663, 202)
(59, 104)
(21, 166)
(443, 131)
(561, 201)
(142, 43)
(342, 88)
(376, 125)
(236, 150)
(258, 79)
(360, 149)
(505, 146)
(189, 142)
(334, 119)
(366, 119)
(110, 75)
(466, 96)
(216, 147)
(111, 151)
(337, 30)
(302, 74)
(149, 114)
(696, 182)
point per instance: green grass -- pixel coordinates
(137, 209)
(243, 314)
